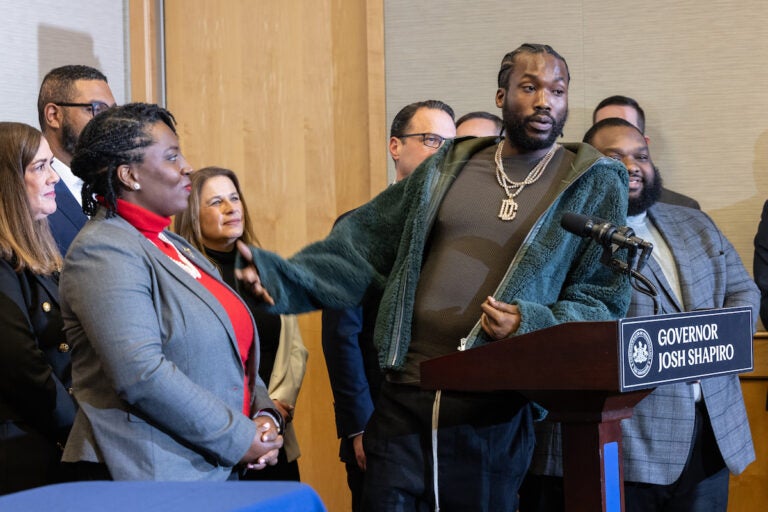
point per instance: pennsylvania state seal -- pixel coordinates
(640, 353)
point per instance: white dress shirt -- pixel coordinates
(73, 183)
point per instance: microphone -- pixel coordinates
(602, 231)
(611, 238)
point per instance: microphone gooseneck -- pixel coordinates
(612, 238)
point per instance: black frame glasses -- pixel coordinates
(94, 107)
(431, 140)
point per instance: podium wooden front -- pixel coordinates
(572, 370)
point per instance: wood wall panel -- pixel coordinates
(291, 97)
(144, 35)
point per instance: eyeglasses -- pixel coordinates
(431, 140)
(95, 108)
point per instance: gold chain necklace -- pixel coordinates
(508, 210)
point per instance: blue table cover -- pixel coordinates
(166, 497)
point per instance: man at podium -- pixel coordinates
(467, 250)
(685, 438)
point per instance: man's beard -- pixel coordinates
(514, 129)
(648, 196)
(68, 137)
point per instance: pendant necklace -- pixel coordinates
(508, 210)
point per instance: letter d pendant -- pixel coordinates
(508, 210)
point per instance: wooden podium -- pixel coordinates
(576, 371)
(571, 370)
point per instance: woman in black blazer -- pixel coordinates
(36, 409)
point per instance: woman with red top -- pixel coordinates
(214, 221)
(165, 355)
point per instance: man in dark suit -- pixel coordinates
(347, 335)
(760, 264)
(69, 97)
(628, 109)
(684, 439)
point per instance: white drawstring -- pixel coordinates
(435, 417)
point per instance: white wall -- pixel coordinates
(39, 35)
(697, 68)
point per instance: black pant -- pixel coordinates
(83, 471)
(355, 475)
(485, 443)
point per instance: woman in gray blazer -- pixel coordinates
(165, 355)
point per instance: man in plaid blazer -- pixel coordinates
(683, 439)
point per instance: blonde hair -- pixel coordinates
(25, 242)
(187, 222)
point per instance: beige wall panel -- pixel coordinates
(281, 94)
(40, 35)
(697, 68)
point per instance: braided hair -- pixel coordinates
(111, 139)
(508, 61)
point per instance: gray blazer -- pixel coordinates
(657, 439)
(155, 365)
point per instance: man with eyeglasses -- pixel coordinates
(467, 250)
(417, 132)
(70, 96)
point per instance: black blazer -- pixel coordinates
(36, 408)
(353, 365)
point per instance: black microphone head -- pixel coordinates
(577, 223)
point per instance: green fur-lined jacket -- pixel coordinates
(555, 277)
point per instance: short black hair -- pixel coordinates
(58, 85)
(608, 122)
(622, 101)
(480, 114)
(109, 140)
(508, 61)
(403, 118)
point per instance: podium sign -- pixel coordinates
(582, 372)
(657, 350)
